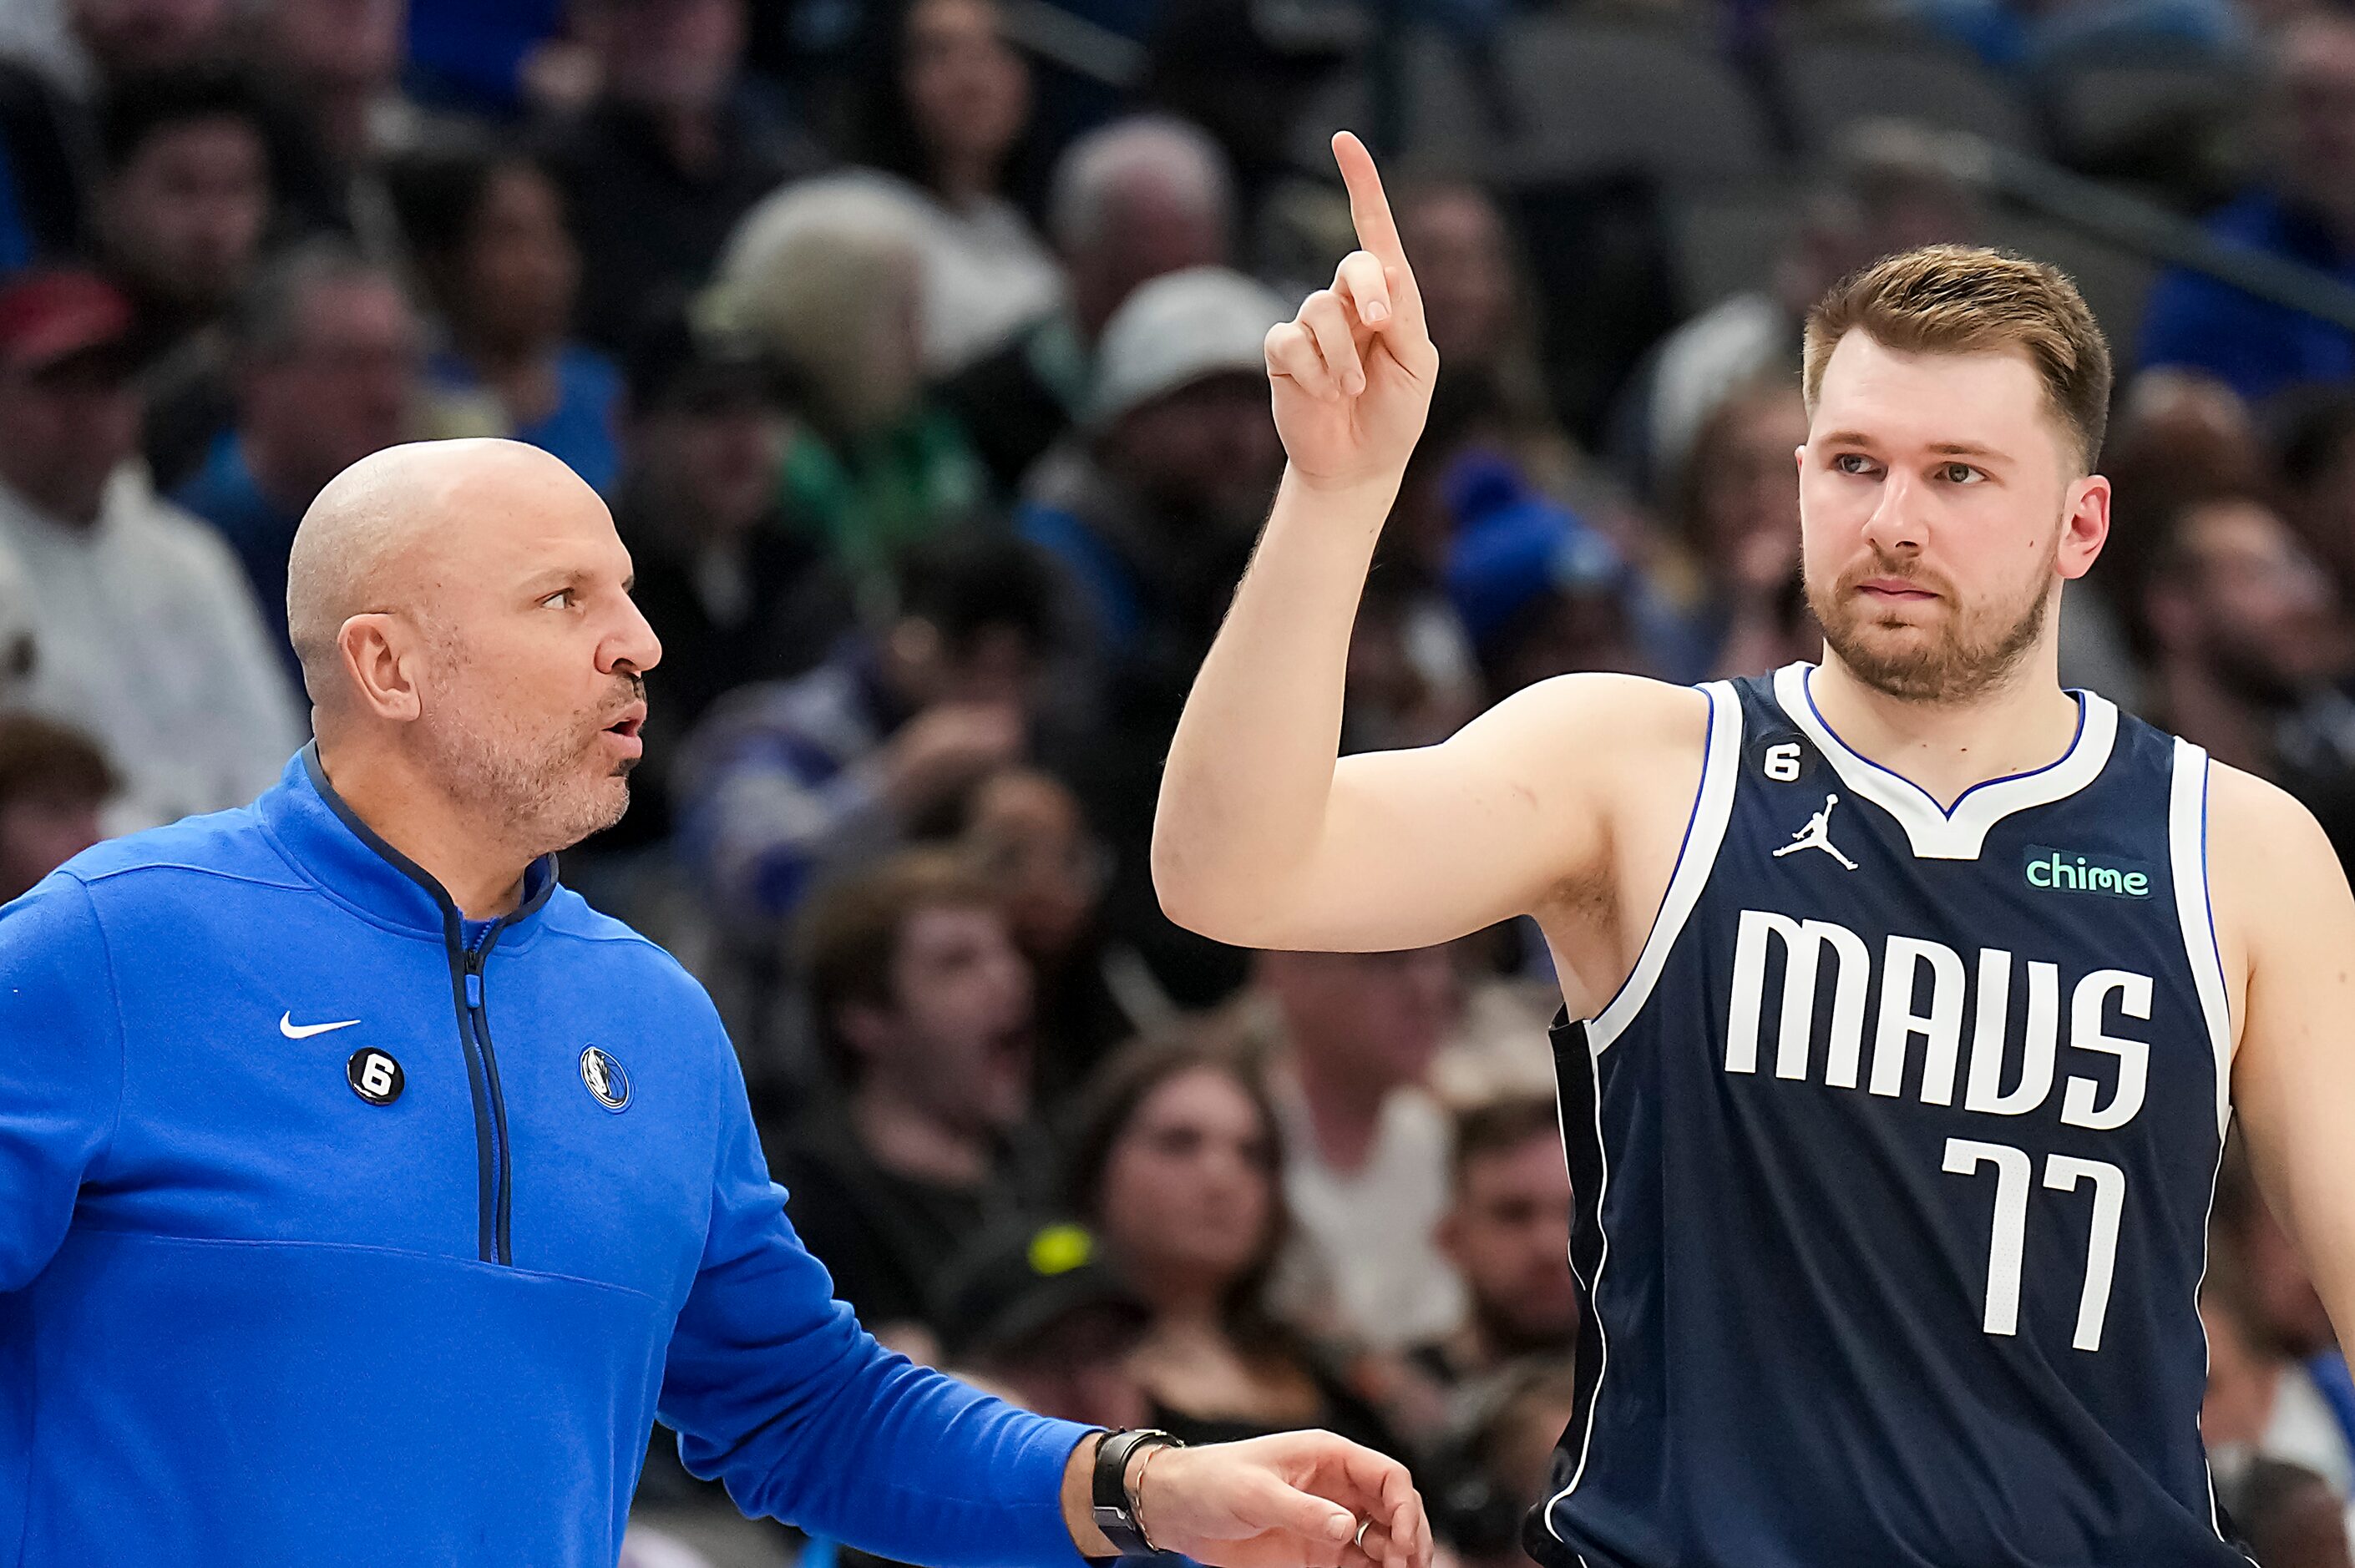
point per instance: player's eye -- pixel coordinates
(563, 599)
(1853, 462)
(1959, 474)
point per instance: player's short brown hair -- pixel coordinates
(1960, 298)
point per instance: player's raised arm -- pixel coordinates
(2282, 901)
(1261, 839)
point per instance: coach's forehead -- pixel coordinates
(1992, 398)
(454, 508)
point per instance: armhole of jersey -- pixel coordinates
(2187, 838)
(2187, 841)
(1704, 831)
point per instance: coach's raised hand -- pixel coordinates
(1351, 374)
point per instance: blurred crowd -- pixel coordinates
(916, 345)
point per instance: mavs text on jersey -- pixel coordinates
(1893, 1159)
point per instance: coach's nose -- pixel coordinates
(630, 647)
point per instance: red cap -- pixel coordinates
(46, 317)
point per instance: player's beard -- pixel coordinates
(544, 782)
(1966, 653)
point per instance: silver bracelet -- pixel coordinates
(1137, 1493)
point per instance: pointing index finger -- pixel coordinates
(1369, 209)
(1378, 233)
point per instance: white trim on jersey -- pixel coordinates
(1704, 831)
(1602, 1334)
(2187, 840)
(1937, 832)
(1712, 808)
(2187, 843)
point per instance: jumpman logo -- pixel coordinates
(1818, 834)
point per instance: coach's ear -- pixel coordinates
(2086, 528)
(381, 660)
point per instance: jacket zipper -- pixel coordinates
(494, 1183)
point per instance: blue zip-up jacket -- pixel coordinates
(249, 1314)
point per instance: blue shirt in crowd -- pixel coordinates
(470, 54)
(2256, 348)
(580, 429)
(334, 1229)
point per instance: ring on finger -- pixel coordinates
(1364, 1525)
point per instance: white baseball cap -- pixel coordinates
(1176, 330)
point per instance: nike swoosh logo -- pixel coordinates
(294, 1030)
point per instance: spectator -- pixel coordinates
(1500, 1048)
(922, 1010)
(1414, 679)
(828, 277)
(671, 154)
(326, 348)
(2247, 640)
(1132, 201)
(183, 200)
(1350, 1038)
(2260, 1411)
(1538, 591)
(1394, 699)
(487, 231)
(340, 61)
(1737, 515)
(2177, 437)
(2282, 1390)
(53, 782)
(2288, 1518)
(1507, 1231)
(1885, 190)
(1024, 835)
(945, 120)
(336, 64)
(146, 633)
(1503, 1468)
(2301, 209)
(2319, 473)
(1153, 511)
(1150, 508)
(737, 594)
(788, 782)
(1039, 1313)
(1486, 318)
(122, 39)
(49, 97)
(1175, 1164)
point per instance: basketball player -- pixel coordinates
(1913, 991)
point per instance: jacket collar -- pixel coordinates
(327, 840)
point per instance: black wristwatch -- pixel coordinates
(1115, 1506)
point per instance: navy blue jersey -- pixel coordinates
(1893, 1161)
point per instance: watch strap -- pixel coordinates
(1115, 1507)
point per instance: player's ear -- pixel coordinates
(2085, 527)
